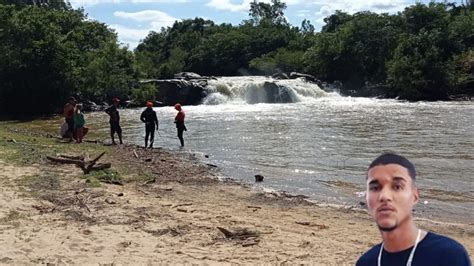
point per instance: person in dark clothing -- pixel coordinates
(114, 120)
(391, 196)
(179, 120)
(149, 118)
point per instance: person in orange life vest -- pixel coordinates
(179, 120)
(68, 112)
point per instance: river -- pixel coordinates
(321, 143)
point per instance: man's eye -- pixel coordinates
(398, 187)
(374, 188)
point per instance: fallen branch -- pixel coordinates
(79, 161)
(64, 160)
(72, 157)
(136, 155)
(101, 166)
(182, 205)
(91, 164)
(241, 233)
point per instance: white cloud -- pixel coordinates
(303, 13)
(155, 18)
(328, 7)
(85, 3)
(228, 6)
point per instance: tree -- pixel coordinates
(263, 13)
(307, 27)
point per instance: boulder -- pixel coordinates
(307, 77)
(277, 93)
(187, 75)
(172, 91)
(280, 76)
(270, 93)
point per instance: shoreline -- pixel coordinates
(52, 214)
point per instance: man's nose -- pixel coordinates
(385, 195)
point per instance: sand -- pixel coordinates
(50, 214)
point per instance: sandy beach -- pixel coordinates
(177, 212)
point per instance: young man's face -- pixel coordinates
(391, 195)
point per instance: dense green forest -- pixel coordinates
(49, 51)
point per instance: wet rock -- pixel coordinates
(259, 178)
(280, 76)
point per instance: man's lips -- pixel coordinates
(385, 209)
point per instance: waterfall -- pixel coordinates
(258, 89)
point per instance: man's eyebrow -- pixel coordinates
(399, 179)
(374, 182)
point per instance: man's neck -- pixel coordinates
(401, 238)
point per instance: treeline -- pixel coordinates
(425, 52)
(49, 51)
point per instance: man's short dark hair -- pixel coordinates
(392, 158)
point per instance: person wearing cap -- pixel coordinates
(148, 117)
(114, 120)
(391, 196)
(68, 113)
(179, 120)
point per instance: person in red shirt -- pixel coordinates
(179, 120)
(68, 112)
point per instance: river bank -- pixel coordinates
(168, 209)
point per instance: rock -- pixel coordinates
(110, 201)
(307, 77)
(259, 178)
(271, 93)
(280, 76)
(120, 194)
(207, 156)
(183, 91)
(187, 75)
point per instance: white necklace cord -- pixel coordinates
(412, 253)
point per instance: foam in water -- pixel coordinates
(258, 89)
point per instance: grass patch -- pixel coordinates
(93, 181)
(24, 146)
(26, 143)
(110, 176)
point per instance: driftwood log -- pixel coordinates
(79, 161)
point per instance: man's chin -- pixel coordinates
(387, 227)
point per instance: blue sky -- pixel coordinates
(134, 19)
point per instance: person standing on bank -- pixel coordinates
(114, 120)
(79, 123)
(68, 113)
(149, 118)
(391, 196)
(179, 120)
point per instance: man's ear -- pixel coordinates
(416, 194)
